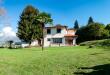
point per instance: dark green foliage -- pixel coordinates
(28, 28)
(81, 34)
(76, 25)
(93, 31)
(108, 28)
(90, 20)
(96, 31)
(43, 18)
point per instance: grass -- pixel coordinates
(102, 43)
(79, 60)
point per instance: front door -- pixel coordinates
(70, 42)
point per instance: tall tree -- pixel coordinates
(28, 26)
(44, 18)
(76, 25)
(94, 31)
(108, 28)
(90, 20)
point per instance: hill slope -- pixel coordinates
(104, 43)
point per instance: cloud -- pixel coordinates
(8, 34)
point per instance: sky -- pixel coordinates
(63, 12)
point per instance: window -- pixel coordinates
(48, 31)
(48, 39)
(57, 40)
(58, 30)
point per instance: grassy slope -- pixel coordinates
(52, 61)
(104, 43)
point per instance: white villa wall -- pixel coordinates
(53, 31)
(24, 44)
(74, 41)
(63, 41)
(64, 31)
(46, 42)
(54, 34)
(34, 43)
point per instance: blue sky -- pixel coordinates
(63, 12)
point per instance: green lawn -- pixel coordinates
(55, 61)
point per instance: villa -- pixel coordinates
(59, 36)
(54, 36)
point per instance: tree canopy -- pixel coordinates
(90, 20)
(28, 27)
(31, 24)
(93, 31)
(43, 18)
(76, 25)
(108, 28)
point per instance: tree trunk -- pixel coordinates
(30, 44)
(39, 42)
(42, 36)
(10, 46)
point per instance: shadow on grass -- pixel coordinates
(97, 70)
(96, 53)
(106, 48)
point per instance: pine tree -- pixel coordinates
(28, 27)
(90, 20)
(76, 25)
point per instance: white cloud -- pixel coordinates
(8, 34)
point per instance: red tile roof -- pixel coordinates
(70, 35)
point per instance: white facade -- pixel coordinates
(65, 37)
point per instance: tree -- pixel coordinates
(44, 18)
(93, 31)
(76, 26)
(108, 28)
(96, 31)
(90, 20)
(10, 44)
(81, 32)
(28, 27)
